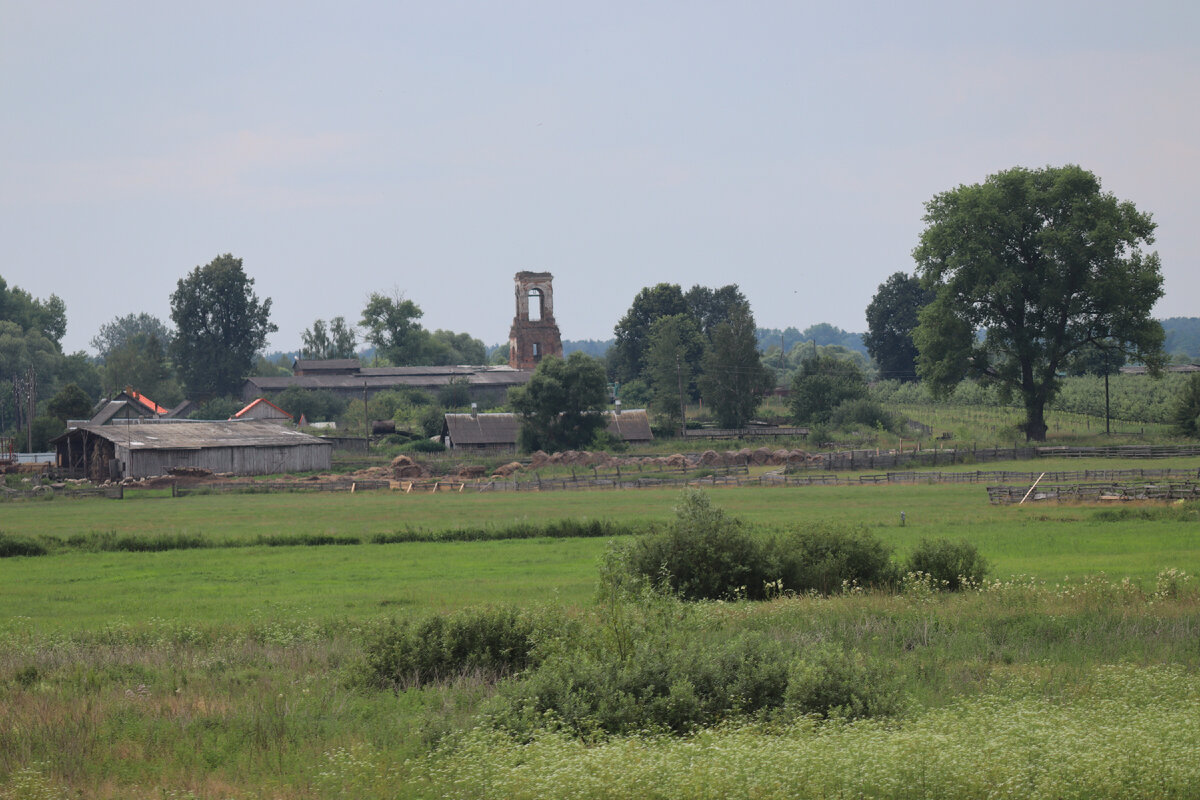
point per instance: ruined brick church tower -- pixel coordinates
(534, 334)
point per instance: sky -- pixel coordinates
(435, 149)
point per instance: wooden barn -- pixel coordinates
(499, 431)
(241, 447)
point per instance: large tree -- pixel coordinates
(562, 406)
(707, 308)
(823, 383)
(220, 326)
(627, 358)
(47, 317)
(139, 362)
(891, 320)
(676, 344)
(391, 323)
(733, 378)
(1028, 268)
(116, 334)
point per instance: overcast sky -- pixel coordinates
(438, 148)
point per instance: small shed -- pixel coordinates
(481, 431)
(263, 408)
(241, 447)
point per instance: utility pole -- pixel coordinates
(1107, 416)
(682, 399)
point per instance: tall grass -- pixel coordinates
(1079, 689)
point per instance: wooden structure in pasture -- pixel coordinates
(264, 409)
(240, 447)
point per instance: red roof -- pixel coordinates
(260, 401)
(147, 402)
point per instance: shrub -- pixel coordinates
(423, 446)
(861, 412)
(702, 555)
(822, 557)
(948, 563)
(674, 676)
(828, 682)
(492, 641)
(19, 546)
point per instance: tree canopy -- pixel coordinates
(891, 320)
(733, 378)
(1028, 268)
(391, 323)
(114, 335)
(676, 344)
(220, 327)
(562, 406)
(823, 383)
(335, 340)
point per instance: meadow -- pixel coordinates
(234, 668)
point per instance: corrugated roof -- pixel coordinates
(178, 435)
(480, 429)
(319, 364)
(632, 425)
(387, 377)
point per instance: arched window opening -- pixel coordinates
(535, 305)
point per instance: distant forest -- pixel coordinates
(1183, 337)
(1183, 340)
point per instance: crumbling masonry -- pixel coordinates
(534, 334)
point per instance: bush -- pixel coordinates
(861, 412)
(822, 557)
(492, 641)
(19, 546)
(651, 665)
(423, 446)
(1185, 415)
(948, 563)
(669, 683)
(703, 554)
(831, 683)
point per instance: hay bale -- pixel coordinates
(471, 471)
(506, 470)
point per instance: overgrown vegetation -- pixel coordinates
(704, 554)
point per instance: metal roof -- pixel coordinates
(387, 377)
(483, 428)
(321, 364)
(632, 425)
(195, 435)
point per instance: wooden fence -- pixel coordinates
(1095, 492)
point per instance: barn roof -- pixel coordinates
(389, 377)
(180, 435)
(316, 365)
(631, 426)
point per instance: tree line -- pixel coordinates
(1020, 280)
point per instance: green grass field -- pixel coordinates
(228, 671)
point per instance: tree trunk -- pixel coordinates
(1035, 419)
